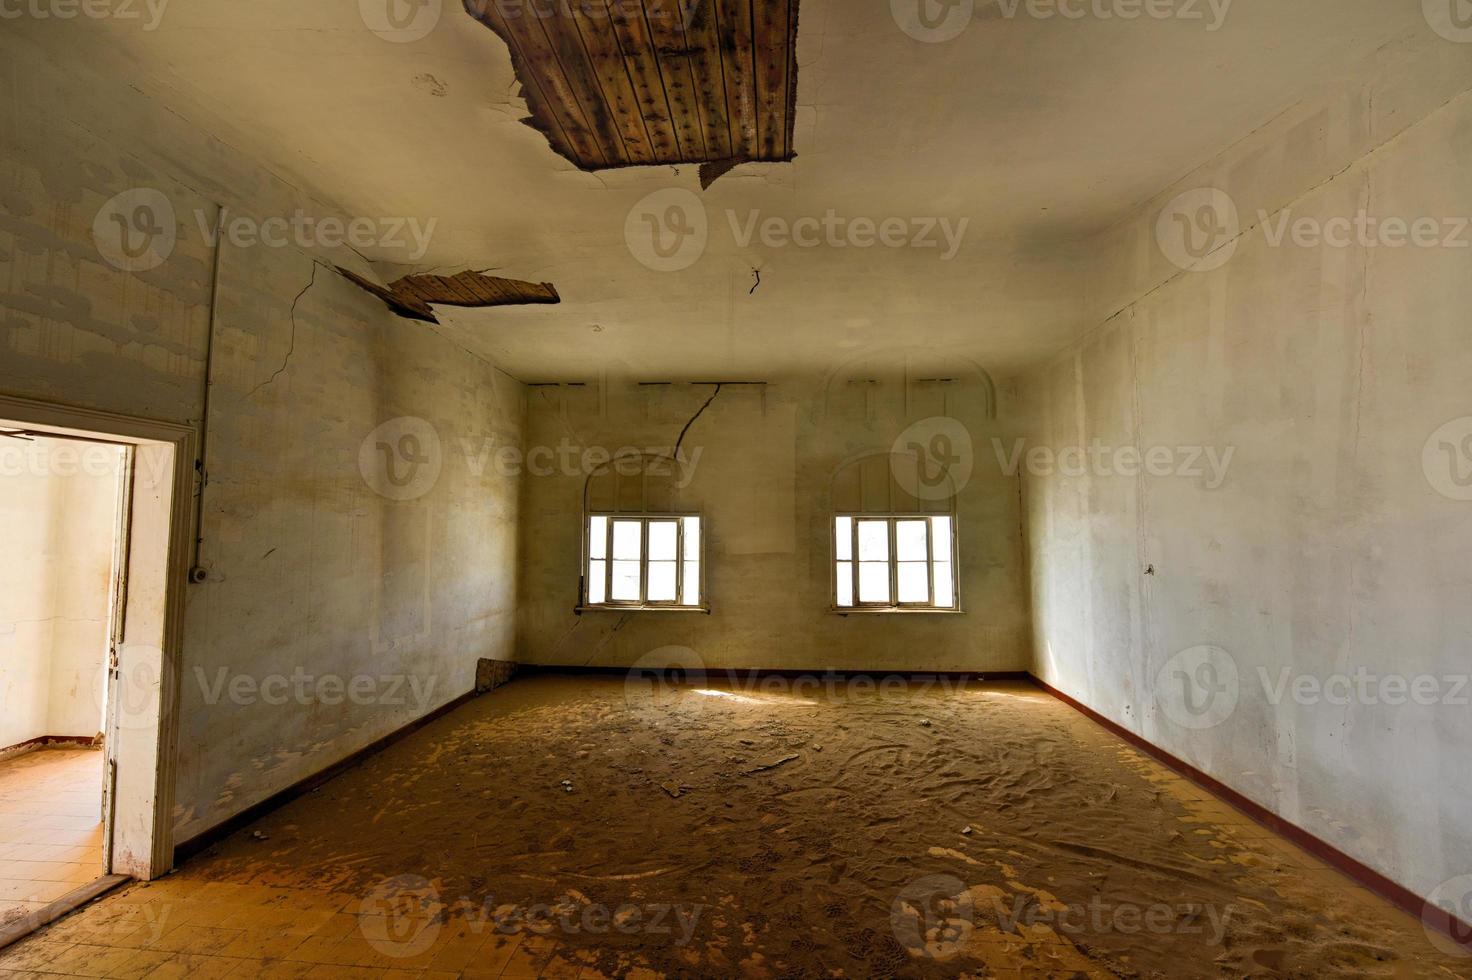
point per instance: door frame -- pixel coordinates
(138, 837)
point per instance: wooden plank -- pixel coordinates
(642, 64)
(554, 106)
(794, 8)
(737, 50)
(611, 73)
(772, 59)
(672, 52)
(19, 928)
(704, 45)
(571, 60)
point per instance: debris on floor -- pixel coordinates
(771, 765)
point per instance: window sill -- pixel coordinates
(892, 611)
(637, 608)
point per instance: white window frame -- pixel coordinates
(642, 604)
(894, 605)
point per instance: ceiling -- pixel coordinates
(1029, 134)
(656, 81)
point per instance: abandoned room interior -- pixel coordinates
(735, 488)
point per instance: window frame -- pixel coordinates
(643, 603)
(894, 605)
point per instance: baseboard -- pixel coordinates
(747, 673)
(1397, 894)
(14, 932)
(48, 741)
(207, 838)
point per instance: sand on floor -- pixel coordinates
(606, 826)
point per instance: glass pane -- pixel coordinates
(626, 543)
(941, 526)
(597, 584)
(663, 540)
(845, 582)
(945, 586)
(625, 579)
(873, 580)
(661, 581)
(692, 539)
(914, 581)
(843, 537)
(692, 583)
(598, 537)
(873, 541)
(911, 540)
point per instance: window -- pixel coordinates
(894, 563)
(644, 562)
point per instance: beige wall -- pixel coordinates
(760, 464)
(316, 568)
(1327, 549)
(58, 516)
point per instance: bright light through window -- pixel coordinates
(894, 562)
(643, 561)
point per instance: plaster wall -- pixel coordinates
(760, 464)
(338, 553)
(58, 515)
(1335, 543)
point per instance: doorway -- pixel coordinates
(63, 523)
(94, 510)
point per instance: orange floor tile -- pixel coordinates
(50, 827)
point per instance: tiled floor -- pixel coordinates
(50, 827)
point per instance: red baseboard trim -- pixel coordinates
(46, 741)
(1398, 895)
